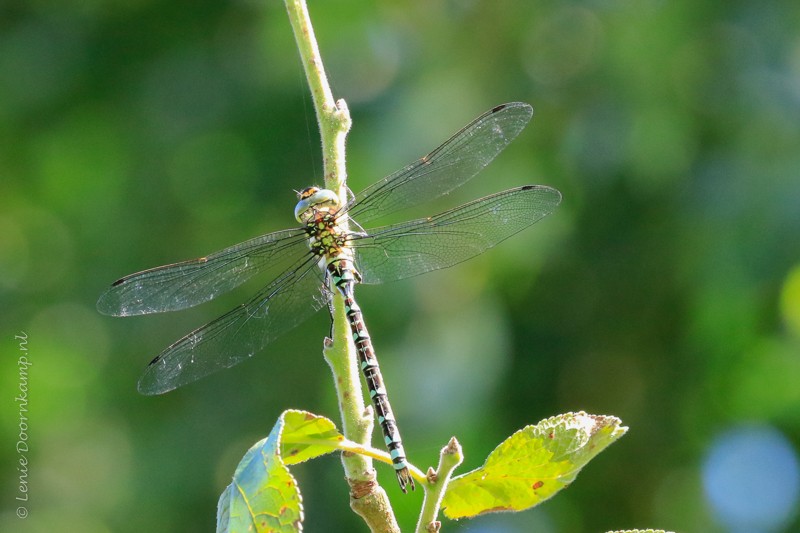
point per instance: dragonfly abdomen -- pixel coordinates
(344, 277)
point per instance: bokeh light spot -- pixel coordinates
(790, 300)
(751, 479)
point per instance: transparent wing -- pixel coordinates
(240, 333)
(447, 167)
(403, 250)
(189, 283)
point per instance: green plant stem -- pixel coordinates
(378, 455)
(333, 116)
(449, 458)
(367, 498)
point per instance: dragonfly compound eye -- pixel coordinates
(312, 199)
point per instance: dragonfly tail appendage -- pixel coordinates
(405, 479)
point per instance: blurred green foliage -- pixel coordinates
(134, 134)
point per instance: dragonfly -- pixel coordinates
(308, 264)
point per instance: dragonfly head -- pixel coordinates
(314, 198)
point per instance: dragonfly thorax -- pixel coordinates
(317, 211)
(312, 201)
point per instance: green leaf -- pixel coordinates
(531, 465)
(306, 436)
(264, 496)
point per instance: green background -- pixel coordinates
(665, 290)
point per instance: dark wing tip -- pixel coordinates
(553, 195)
(520, 105)
(547, 188)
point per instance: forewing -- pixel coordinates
(189, 283)
(450, 165)
(240, 333)
(403, 250)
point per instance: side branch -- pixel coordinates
(449, 458)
